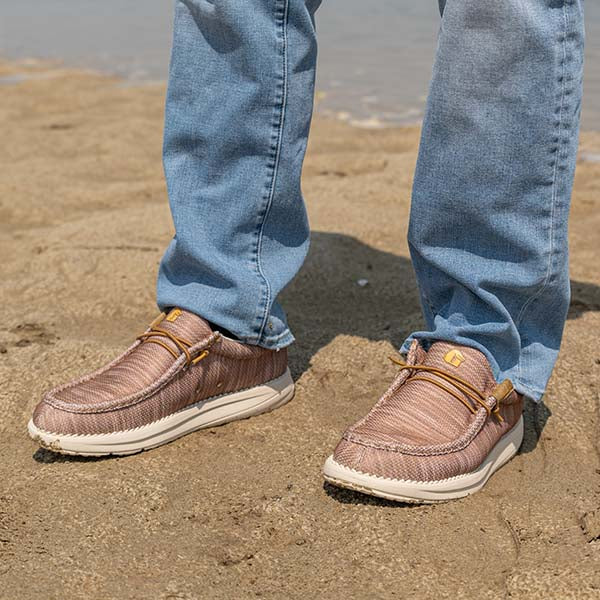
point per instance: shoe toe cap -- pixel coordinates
(50, 419)
(389, 464)
(349, 454)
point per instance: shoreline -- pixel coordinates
(30, 68)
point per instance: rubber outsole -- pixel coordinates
(427, 492)
(206, 413)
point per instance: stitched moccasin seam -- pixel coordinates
(118, 408)
(131, 400)
(436, 449)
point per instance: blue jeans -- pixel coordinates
(488, 227)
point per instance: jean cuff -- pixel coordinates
(272, 342)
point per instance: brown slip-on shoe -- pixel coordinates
(439, 433)
(178, 376)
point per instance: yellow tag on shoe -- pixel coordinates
(455, 358)
(174, 315)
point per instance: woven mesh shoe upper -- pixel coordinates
(157, 376)
(420, 431)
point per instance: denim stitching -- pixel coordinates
(271, 342)
(274, 168)
(548, 275)
(275, 338)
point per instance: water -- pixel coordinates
(374, 62)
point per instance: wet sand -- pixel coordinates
(241, 511)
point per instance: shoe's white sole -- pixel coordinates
(207, 413)
(426, 492)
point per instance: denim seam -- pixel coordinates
(274, 168)
(426, 301)
(548, 275)
(530, 386)
(271, 342)
(283, 334)
(529, 391)
(279, 342)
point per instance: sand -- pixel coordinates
(241, 511)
